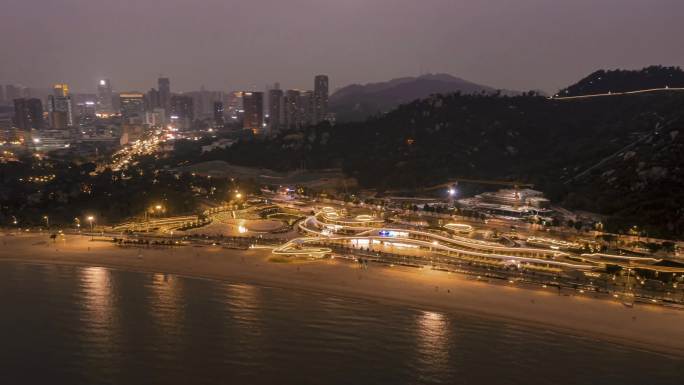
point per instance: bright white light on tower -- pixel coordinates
(102, 82)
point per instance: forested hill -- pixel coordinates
(358, 102)
(621, 156)
(601, 82)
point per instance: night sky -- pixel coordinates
(229, 44)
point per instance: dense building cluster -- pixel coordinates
(56, 118)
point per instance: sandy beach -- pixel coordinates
(651, 327)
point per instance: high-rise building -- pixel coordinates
(60, 109)
(234, 108)
(132, 106)
(219, 112)
(182, 111)
(86, 113)
(164, 87)
(306, 108)
(28, 114)
(2, 94)
(275, 110)
(61, 90)
(253, 104)
(152, 100)
(58, 118)
(320, 98)
(291, 119)
(105, 98)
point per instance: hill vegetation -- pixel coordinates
(602, 81)
(621, 156)
(358, 102)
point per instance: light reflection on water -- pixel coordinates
(63, 324)
(433, 339)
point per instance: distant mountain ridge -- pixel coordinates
(357, 102)
(602, 81)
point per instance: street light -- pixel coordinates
(91, 219)
(157, 208)
(47, 221)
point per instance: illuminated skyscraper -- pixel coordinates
(61, 90)
(320, 99)
(60, 108)
(105, 97)
(253, 104)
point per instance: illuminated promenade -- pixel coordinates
(328, 227)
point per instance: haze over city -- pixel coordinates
(520, 45)
(341, 192)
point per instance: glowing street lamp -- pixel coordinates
(91, 219)
(47, 221)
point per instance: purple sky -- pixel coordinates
(228, 44)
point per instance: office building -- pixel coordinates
(86, 112)
(60, 108)
(132, 106)
(181, 111)
(105, 98)
(234, 103)
(49, 140)
(253, 105)
(28, 114)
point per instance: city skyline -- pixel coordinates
(342, 191)
(72, 42)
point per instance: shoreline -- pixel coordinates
(650, 328)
